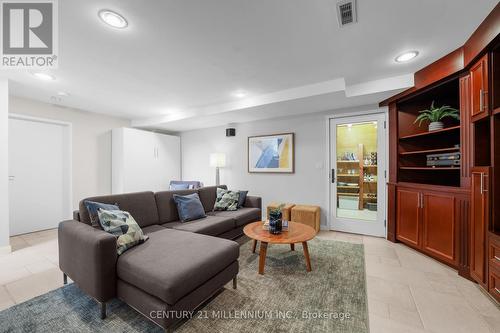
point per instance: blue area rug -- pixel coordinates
(331, 298)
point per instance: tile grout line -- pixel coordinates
(412, 297)
(9, 294)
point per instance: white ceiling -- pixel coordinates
(178, 63)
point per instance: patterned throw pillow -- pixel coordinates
(226, 200)
(124, 227)
(93, 209)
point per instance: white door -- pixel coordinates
(358, 174)
(37, 188)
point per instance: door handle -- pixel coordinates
(481, 184)
(485, 187)
(333, 176)
(481, 102)
(485, 100)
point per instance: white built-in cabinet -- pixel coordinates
(144, 161)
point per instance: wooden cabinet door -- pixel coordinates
(479, 222)
(438, 226)
(479, 89)
(408, 216)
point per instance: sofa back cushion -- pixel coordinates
(208, 195)
(189, 207)
(167, 209)
(141, 205)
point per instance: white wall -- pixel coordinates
(4, 166)
(91, 143)
(306, 186)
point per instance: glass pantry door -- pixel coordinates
(357, 160)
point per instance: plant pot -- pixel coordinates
(436, 125)
(275, 223)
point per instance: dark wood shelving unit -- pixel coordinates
(415, 142)
(451, 213)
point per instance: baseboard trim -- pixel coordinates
(5, 250)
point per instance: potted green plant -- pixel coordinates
(275, 220)
(434, 115)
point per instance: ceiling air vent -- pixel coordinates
(346, 11)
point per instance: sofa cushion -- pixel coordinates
(189, 207)
(208, 195)
(152, 228)
(226, 200)
(175, 187)
(168, 269)
(123, 226)
(141, 205)
(209, 225)
(93, 210)
(167, 209)
(241, 216)
(242, 198)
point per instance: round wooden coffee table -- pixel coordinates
(297, 233)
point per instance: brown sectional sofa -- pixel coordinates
(180, 266)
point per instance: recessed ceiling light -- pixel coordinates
(407, 56)
(44, 76)
(239, 94)
(113, 19)
(62, 93)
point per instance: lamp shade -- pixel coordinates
(218, 160)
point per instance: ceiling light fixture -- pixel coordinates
(113, 19)
(44, 76)
(407, 56)
(239, 94)
(62, 93)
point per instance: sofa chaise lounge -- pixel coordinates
(178, 268)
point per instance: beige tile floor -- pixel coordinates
(410, 292)
(407, 291)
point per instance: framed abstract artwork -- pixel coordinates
(271, 153)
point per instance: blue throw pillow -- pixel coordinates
(93, 209)
(179, 187)
(242, 198)
(189, 207)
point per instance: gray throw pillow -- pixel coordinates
(242, 198)
(189, 207)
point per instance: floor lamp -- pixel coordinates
(217, 160)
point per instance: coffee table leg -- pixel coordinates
(262, 257)
(292, 247)
(254, 245)
(306, 255)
